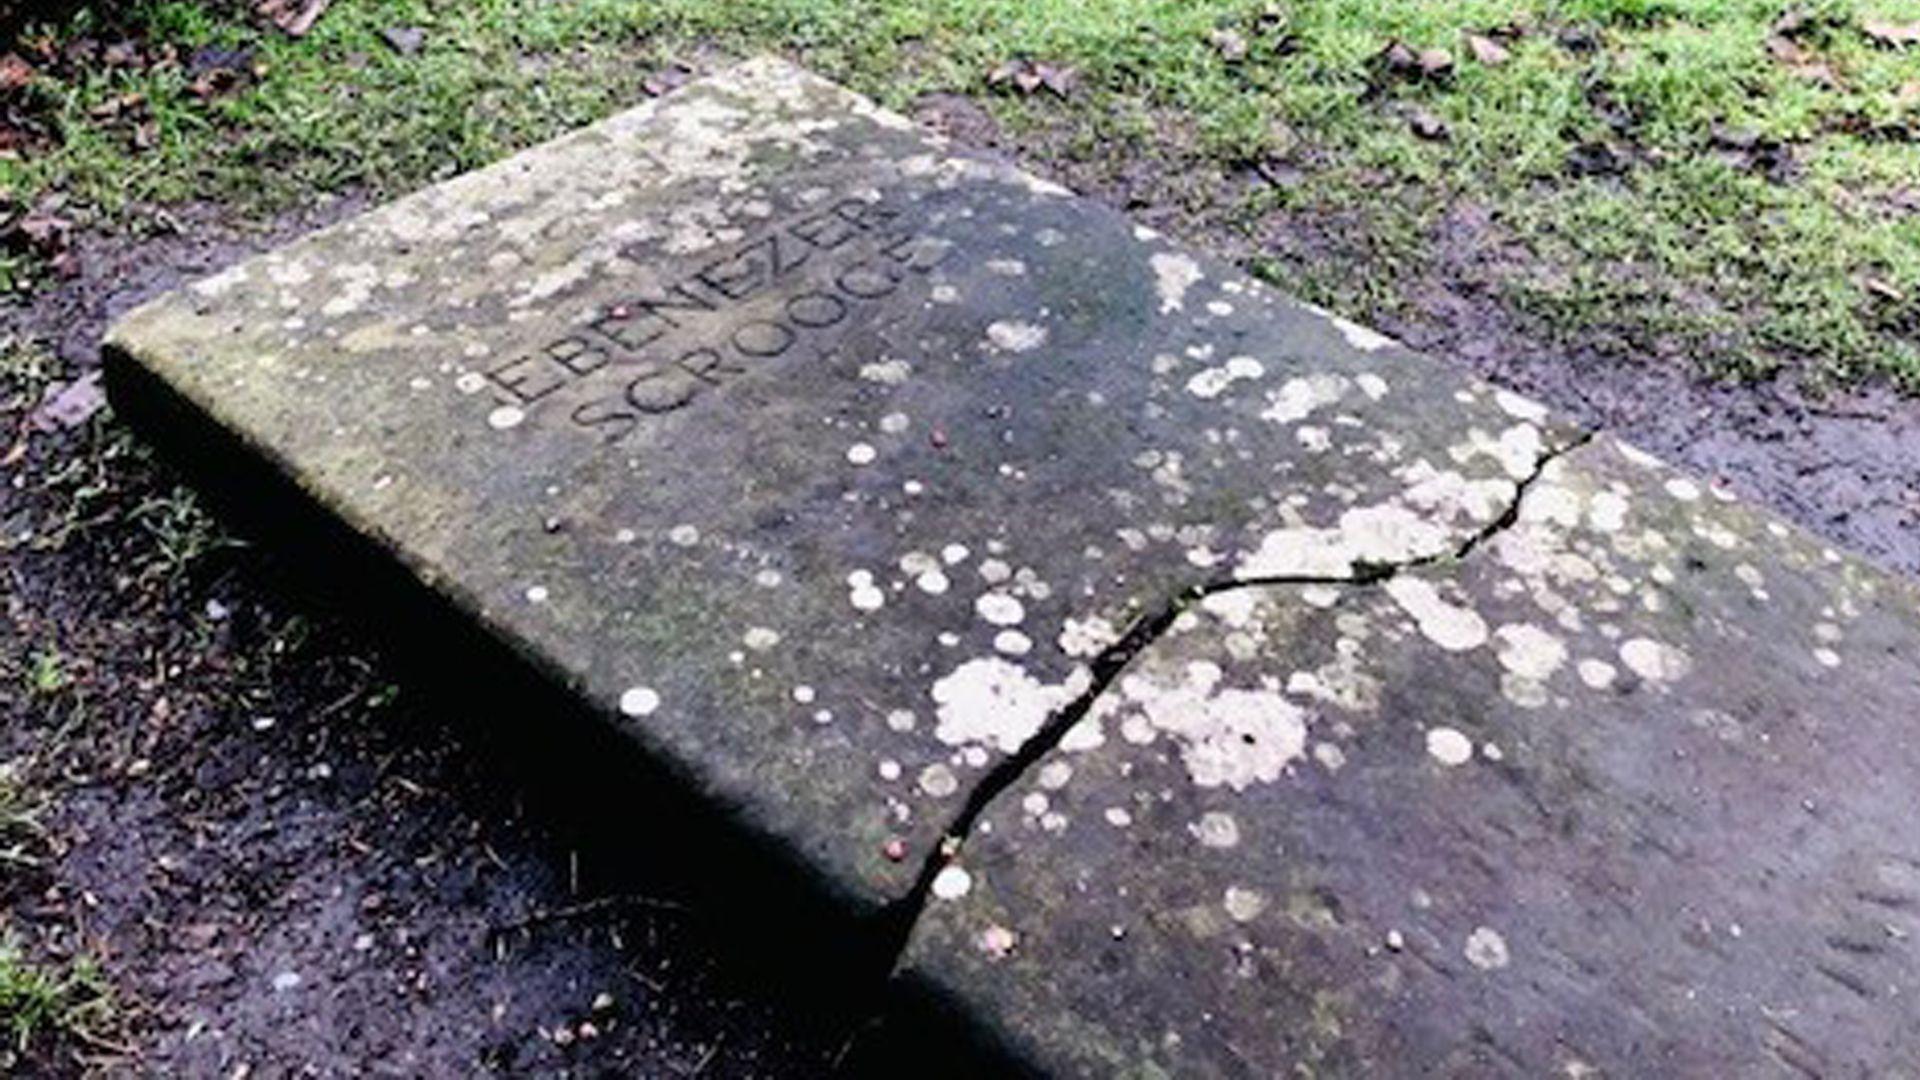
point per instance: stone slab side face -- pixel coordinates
(830, 465)
(1629, 790)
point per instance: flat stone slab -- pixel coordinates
(846, 474)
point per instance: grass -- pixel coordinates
(39, 1000)
(1749, 216)
(20, 829)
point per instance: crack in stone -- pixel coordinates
(1142, 634)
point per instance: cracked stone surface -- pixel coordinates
(818, 458)
(1628, 790)
(841, 472)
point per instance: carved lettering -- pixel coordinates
(624, 341)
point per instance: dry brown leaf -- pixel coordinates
(14, 72)
(1428, 126)
(1888, 32)
(1487, 51)
(1436, 62)
(1802, 62)
(71, 405)
(1229, 44)
(1884, 289)
(293, 17)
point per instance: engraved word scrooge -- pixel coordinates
(614, 371)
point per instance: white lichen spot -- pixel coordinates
(992, 701)
(1453, 628)
(1371, 385)
(760, 638)
(1087, 638)
(1827, 657)
(895, 423)
(1216, 829)
(1212, 382)
(639, 701)
(1173, 275)
(684, 535)
(1607, 512)
(1243, 904)
(952, 883)
(887, 372)
(1683, 489)
(1007, 267)
(1529, 652)
(1449, 747)
(537, 594)
(1016, 336)
(1370, 534)
(999, 609)
(1486, 949)
(860, 454)
(1299, 397)
(506, 416)
(1654, 661)
(1597, 674)
(1012, 643)
(938, 780)
(997, 941)
(863, 593)
(1233, 737)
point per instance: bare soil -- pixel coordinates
(292, 863)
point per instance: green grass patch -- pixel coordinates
(1678, 178)
(45, 1000)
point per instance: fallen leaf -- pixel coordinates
(1397, 59)
(1884, 289)
(1026, 76)
(1229, 44)
(1793, 21)
(14, 72)
(405, 40)
(1801, 62)
(212, 83)
(70, 405)
(1487, 51)
(1436, 63)
(1058, 79)
(1888, 32)
(293, 17)
(667, 79)
(1427, 125)
(45, 228)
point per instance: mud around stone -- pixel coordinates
(839, 470)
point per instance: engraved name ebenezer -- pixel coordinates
(652, 354)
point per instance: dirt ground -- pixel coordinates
(290, 864)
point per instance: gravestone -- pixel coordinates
(1223, 688)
